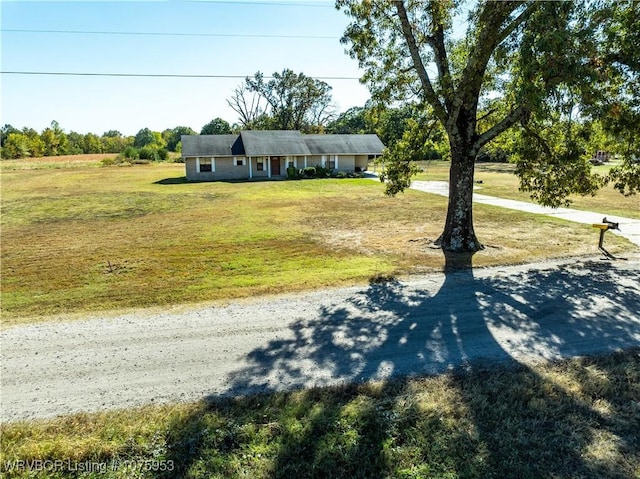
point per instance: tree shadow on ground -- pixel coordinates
(392, 331)
(180, 180)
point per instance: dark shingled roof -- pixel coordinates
(279, 143)
(344, 144)
(212, 145)
(274, 143)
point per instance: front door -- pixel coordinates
(275, 166)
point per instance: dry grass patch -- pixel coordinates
(93, 239)
(408, 233)
(572, 419)
(55, 162)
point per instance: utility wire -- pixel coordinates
(155, 75)
(167, 34)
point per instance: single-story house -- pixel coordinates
(268, 154)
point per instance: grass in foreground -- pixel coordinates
(572, 419)
(85, 239)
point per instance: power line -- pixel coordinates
(168, 34)
(155, 75)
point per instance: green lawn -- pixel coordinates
(82, 238)
(574, 419)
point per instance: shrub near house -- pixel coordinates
(269, 154)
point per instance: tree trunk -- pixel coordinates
(458, 235)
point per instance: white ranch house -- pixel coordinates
(268, 154)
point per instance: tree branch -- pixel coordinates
(436, 41)
(506, 31)
(418, 64)
(489, 37)
(507, 122)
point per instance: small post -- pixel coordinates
(601, 238)
(605, 226)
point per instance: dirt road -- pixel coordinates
(427, 324)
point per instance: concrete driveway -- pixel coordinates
(629, 227)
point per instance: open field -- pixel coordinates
(54, 162)
(82, 239)
(573, 419)
(498, 180)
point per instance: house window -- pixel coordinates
(239, 161)
(260, 165)
(205, 165)
(331, 162)
(290, 164)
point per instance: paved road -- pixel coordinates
(426, 325)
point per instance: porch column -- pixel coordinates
(268, 166)
(250, 168)
(305, 161)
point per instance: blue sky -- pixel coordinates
(97, 104)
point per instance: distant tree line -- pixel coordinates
(389, 123)
(54, 141)
(406, 133)
(287, 101)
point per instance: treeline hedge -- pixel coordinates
(54, 141)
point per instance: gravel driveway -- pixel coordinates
(427, 324)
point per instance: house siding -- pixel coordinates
(362, 162)
(314, 160)
(346, 163)
(254, 168)
(190, 167)
(226, 169)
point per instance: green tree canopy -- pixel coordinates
(176, 135)
(112, 134)
(55, 140)
(5, 131)
(352, 121)
(532, 65)
(217, 126)
(23, 144)
(143, 138)
(295, 101)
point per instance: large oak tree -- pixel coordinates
(526, 64)
(295, 101)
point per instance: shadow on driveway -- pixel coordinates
(388, 330)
